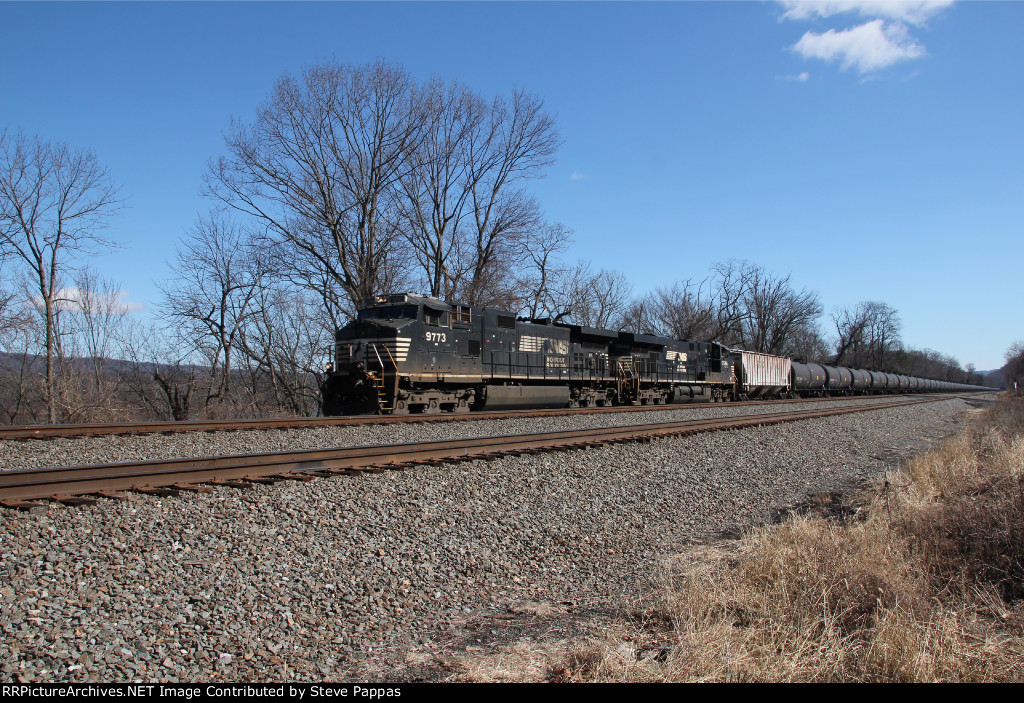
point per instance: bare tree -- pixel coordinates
(300, 267)
(320, 165)
(21, 393)
(466, 214)
(760, 311)
(684, 310)
(286, 342)
(1014, 368)
(926, 363)
(637, 317)
(437, 191)
(161, 372)
(807, 344)
(867, 334)
(99, 320)
(882, 333)
(217, 277)
(850, 324)
(519, 139)
(597, 300)
(971, 375)
(90, 324)
(54, 200)
(11, 315)
(544, 273)
(14, 313)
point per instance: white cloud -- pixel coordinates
(74, 299)
(577, 176)
(869, 47)
(911, 11)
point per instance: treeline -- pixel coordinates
(350, 181)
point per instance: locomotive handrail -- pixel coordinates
(386, 396)
(391, 358)
(376, 353)
(627, 377)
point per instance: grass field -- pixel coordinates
(920, 579)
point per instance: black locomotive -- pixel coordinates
(410, 353)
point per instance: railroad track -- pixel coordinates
(82, 484)
(26, 432)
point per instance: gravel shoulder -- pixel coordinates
(429, 573)
(61, 451)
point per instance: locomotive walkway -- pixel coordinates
(81, 484)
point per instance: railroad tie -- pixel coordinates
(114, 495)
(230, 484)
(20, 504)
(67, 499)
(156, 490)
(192, 488)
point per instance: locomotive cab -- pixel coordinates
(368, 353)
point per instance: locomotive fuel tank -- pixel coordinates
(514, 397)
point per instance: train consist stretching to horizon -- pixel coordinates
(407, 353)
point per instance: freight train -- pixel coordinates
(407, 353)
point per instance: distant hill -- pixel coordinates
(995, 378)
(35, 363)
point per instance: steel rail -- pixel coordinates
(65, 483)
(26, 432)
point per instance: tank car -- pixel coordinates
(808, 380)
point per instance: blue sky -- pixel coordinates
(874, 150)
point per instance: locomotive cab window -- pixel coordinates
(438, 318)
(391, 312)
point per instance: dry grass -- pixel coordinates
(925, 584)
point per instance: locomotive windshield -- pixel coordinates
(391, 312)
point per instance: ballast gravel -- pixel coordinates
(33, 454)
(344, 578)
